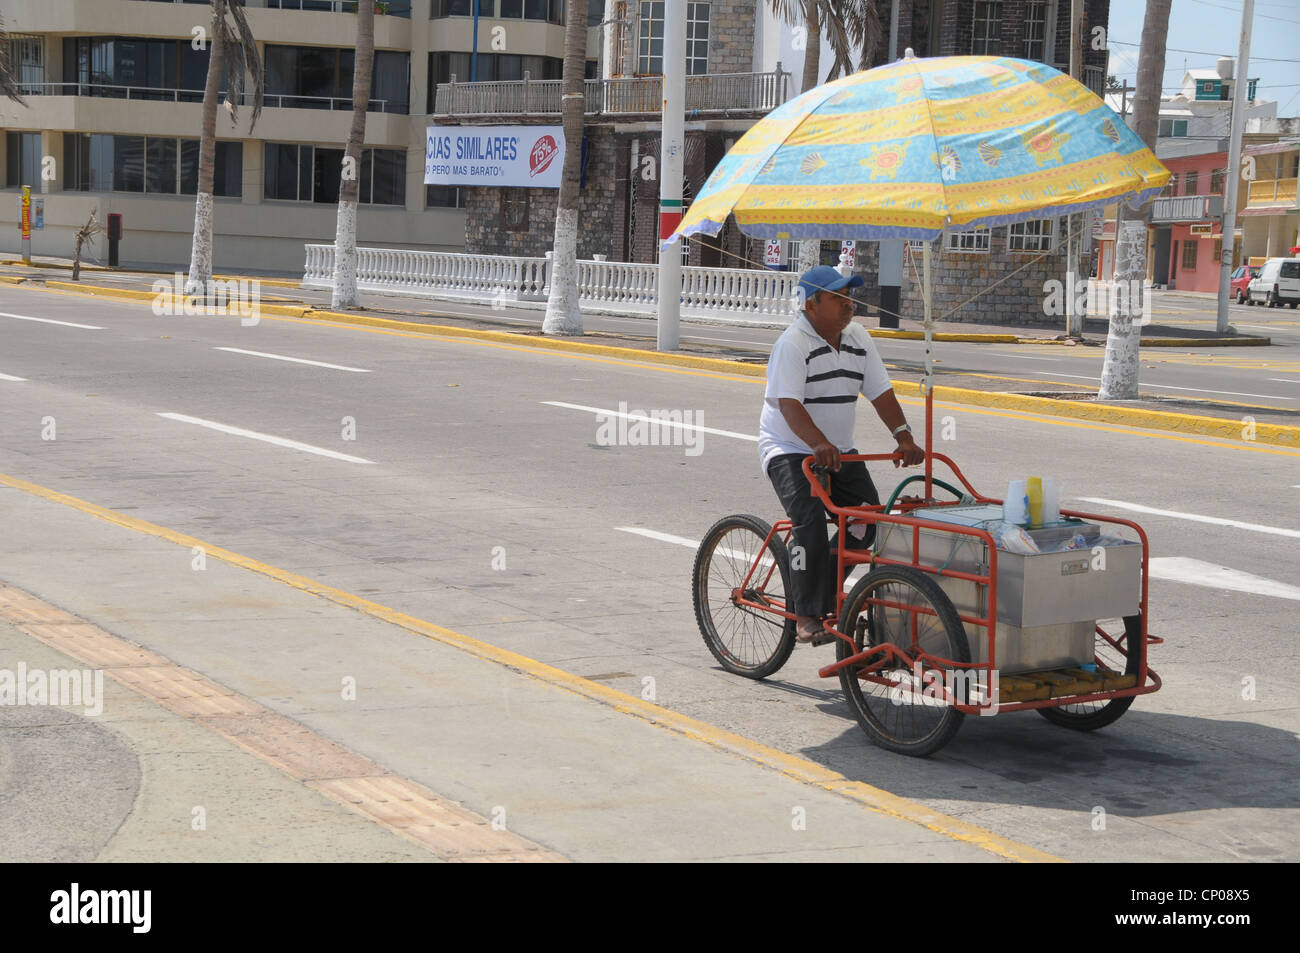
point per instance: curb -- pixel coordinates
(276, 282)
(1275, 434)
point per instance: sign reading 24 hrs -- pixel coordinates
(519, 156)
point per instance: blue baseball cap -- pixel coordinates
(825, 278)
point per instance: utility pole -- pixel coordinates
(1076, 74)
(1233, 176)
(671, 155)
(889, 261)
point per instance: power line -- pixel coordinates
(1171, 49)
(1237, 10)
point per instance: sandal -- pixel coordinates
(813, 633)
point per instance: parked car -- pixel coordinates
(1238, 281)
(1278, 283)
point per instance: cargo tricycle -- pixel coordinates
(943, 623)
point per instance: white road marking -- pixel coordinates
(662, 537)
(1286, 380)
(849, 583)
(295, 360)
(66, 324)
(1210, 575)
(9, 377)
(266, 438)
(1194, 517)
(659, 421)
(1198, 390)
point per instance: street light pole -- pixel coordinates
(1233, 173)
(671, 160)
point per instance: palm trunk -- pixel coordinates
(562, 313)
(1120, 370)
(201, 251)
(812, 45)
(345, 234)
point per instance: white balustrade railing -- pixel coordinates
(620, 287)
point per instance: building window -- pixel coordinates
(164, 70)
(973, 241)
(1173, 128)
(23, 165)
(1035, 30)
(314, 174)
(1189, 255)
(514, 210)
(1191, 180)
(150, 164)
(650, 44)
(1033, 236)
(1171, 187)
(987, 29)
(1216, 181)
(320, 77)
(460, 8)
(392, 8)
(27, 63)
(697, 39)
(444, 196)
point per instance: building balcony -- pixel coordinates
(1171, 210)
(1272, 193)
(157, 94)
(714, 94)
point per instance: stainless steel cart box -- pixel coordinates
(1048, 603)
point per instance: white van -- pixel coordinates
(1278, 283)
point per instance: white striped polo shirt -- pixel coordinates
(804, 367)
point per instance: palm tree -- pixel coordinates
(1119, 371)
(562, 313)
(345, 233)
(232, 50)
(849, 25)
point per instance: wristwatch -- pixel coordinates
(900, 428)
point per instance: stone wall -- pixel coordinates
(731, 36)
(1011, 281)
(486, 233)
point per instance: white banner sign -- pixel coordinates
(521, 156)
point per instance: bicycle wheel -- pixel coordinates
(907, 608)
(1090, 716)
(744, 640)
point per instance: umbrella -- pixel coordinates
(921, 146)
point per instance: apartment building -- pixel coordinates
(1271, 216)
(113, 92)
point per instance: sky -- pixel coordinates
(1200, 31)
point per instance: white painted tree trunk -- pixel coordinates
(810, 254)
(201, 253)
(345, 257)
(1119, 372)
(562, 313)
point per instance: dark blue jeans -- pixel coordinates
(812, 588)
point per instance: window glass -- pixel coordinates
(391, 81)
(650, 44)
(985, 35)
(389, 177)
(444, 196)
(509, 67)
(512, 9)
(364, 190)
(160, 165)
(974, 240)
(536, 9)
(697, 39)
(228, 171)
(189, 163)
(128, 163)
(327, 169)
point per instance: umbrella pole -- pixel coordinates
(929, 369)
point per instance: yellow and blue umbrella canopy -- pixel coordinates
(909, 149)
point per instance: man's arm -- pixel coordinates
(801, 423)
(891, 415)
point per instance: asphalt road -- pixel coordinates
(447, 479)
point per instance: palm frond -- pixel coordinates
(8, 86)
(249, 59)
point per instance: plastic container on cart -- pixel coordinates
(1048, 602)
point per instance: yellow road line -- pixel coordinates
(792, 766)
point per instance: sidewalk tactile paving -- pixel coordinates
(400, 805)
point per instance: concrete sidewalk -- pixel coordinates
(305, 729)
